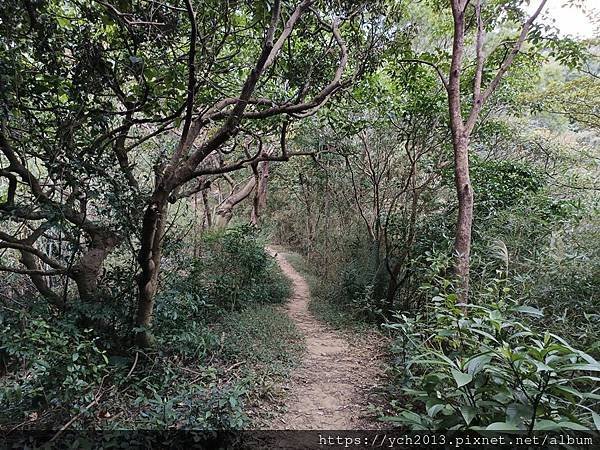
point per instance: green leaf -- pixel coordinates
(515, 412)
(63, 22)
(582, 367)
(404, 417)
(530, 310)
(546, 424)
(477, 363)
(551, 425)
(485, 334)
(572, 426)
(569, 390)
(590, 359)
(461, 378)
(495, 315)
(501, 426)
(596, 418)
(541, 367)
(434, 409)
(468, 413)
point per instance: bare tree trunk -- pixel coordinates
(207, 221)
(186, 159)
(394, 283)
(31, 262)
(86, 271)
(461, 129)
(262, 198)
(260, 193)
(225, 210)
(195, 250)
(254, 211)
(460, 144)
(464, 191)
(153, 228)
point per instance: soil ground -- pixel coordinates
(331, 389)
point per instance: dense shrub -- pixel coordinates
(547, 252)
(481, 366)
(361, 288)
(53, 366)
(49, 363)
(502, 184)
(234, 270)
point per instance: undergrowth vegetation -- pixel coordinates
(522, 353)
(488, 366)
(222, 349)
(433, 165)
(325, 303)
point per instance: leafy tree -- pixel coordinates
(242, 104)
(98, 119)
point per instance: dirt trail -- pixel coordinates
(330, 390)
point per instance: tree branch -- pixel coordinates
(191, 86)
(32, 271)
(474, 114)
(429, 63)
(479, 54)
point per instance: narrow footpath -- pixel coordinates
(332, 387)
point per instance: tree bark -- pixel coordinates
(31, 262)
(86, 271)
(260, 193)
(461, 129)
(225, 210)
(394, 283)
(186, 159)
(464, 192)
(460, 144)
(153, 228)
(207, 220)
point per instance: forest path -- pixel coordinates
(331, 388)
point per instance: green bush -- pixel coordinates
(235, 270)
(243, 354)
(181, 323)
(53, 366)
(482, 367)
(211, 407)
(502, 184)
(359, 293)
(50, 364)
